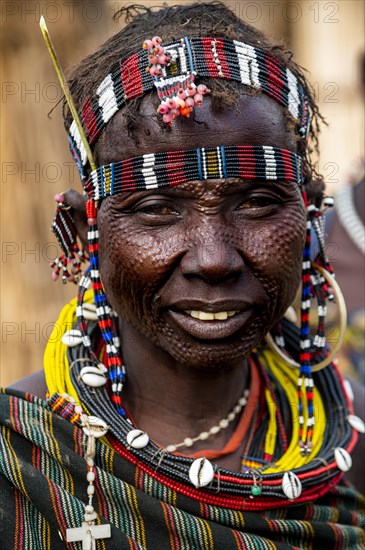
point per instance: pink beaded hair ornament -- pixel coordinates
(178, 94)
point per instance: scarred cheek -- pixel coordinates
(276, 257)
(132, 264)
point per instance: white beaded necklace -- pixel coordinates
(138, 439)
(349, 218)
(222, 425)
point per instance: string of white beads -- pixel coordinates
(222, 425)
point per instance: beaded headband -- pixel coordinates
(200, 57)
(172, 168)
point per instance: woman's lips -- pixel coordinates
(206, 325)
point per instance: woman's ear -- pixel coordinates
(78, 204)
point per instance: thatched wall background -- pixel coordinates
(327, 38)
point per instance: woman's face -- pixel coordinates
(202, 270)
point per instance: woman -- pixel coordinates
(196, 222)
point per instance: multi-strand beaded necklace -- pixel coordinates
(273, 468)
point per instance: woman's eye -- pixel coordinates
(156, 213)
(257, 202)
(158, 210)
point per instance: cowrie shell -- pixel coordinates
(95, 426)
(356, 423)
(291, 485)
(92, 376)
(348, 390)
(72, 338)
(201, 472)
(89, 312)
(343, 459)
(137, 439)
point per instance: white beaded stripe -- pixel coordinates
(305, 344)
(110, 348)
(182, 56)
(149, 178)
(117, 387)
(216, 58)
(170, 81)
(204, 159)
(94, 179)
(80, 146)
(148, 160)
(102, 310)
(79, 311)
(293, 96)
(247, 61)
(149, 175)
(319, 341)
(322, 311)
(93, 234)
(219, 160)
(270, 162)
(107, 98)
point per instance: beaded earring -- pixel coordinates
(317, 282)
(64, 229)
(95, 373)
(105, 314)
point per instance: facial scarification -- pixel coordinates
(203, 270)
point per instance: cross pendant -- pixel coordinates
(88, 534)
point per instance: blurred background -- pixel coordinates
(327, 38)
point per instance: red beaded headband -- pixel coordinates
(177, 67)
(172, 168)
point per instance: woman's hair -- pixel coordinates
(212, 19)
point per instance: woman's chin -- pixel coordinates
(210, 354)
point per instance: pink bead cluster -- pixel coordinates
(177, 97)
(158, 56)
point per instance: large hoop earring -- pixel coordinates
(343, 324)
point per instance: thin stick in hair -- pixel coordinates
(66, 90)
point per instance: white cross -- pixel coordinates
(88, 534)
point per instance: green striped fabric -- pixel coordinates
(43, 492)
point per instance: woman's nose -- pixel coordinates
(213, 257)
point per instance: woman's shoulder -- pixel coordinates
(34, 383)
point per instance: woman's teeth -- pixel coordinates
(209, 316)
